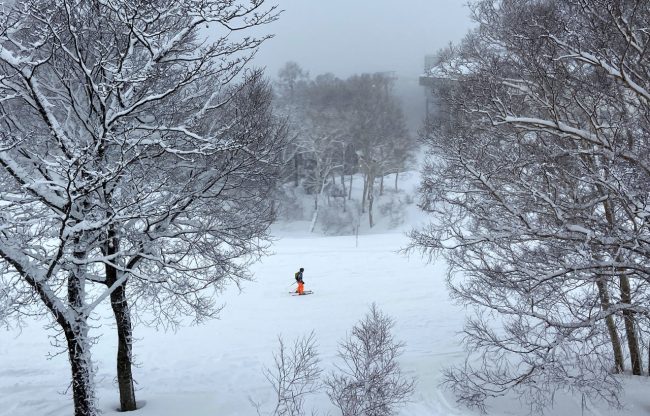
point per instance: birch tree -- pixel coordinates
(538, 179)
(134, 170)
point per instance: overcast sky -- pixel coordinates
(351, 36)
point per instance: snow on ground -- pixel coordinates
(215, 369)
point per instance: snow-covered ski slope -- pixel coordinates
(215, 369)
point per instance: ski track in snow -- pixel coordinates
(216, 368)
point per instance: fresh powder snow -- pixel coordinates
(216, 368)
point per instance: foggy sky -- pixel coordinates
(352, 36)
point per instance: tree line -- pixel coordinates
(539, 182)
(340, 128)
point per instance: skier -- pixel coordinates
(301, 283)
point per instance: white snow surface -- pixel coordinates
(215, 369)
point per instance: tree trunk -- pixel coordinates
(396, 176)
(381, 186)
(122, 315)
(626, 298)
(75, 330)
(121, 311)
(314, 218)
(81, 366)
(296, 179)
(350, 189)
(344, 190)
(364, 194)
(630, 327)
(619, 363)
(371, 198)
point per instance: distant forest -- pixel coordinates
(339, 128)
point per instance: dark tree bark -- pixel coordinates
(120, 307)
(619, 363)
(630, 327)
(82, 391)
(626, 298)
(122, 315)
(76, 335)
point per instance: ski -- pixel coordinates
(306, 292)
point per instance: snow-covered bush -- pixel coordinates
(295, 374)
(370, 381)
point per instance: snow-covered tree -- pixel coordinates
(342, 127)
(378, 130)
(370, 381)
(291, 80)
(322, 135)
(294, 376)
(316, 110)
(539, 183)
(135, 169)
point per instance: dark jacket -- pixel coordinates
(299, 277)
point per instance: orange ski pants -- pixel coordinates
(301, 288)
